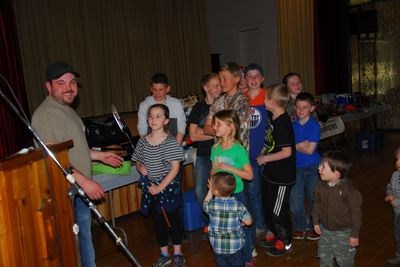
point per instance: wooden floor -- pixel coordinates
(371, 171)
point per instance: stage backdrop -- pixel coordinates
(115, 45)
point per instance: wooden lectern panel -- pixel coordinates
(36, 215)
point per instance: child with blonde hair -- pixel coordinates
(229, 77)
(229, 155)
(279, 175)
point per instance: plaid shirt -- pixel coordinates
(225, 231)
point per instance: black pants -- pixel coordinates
(163, 231)
(276, 210)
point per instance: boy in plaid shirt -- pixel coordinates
(226, 217)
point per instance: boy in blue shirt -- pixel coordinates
(307, 134)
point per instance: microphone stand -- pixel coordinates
(68, 175)
(122, 126)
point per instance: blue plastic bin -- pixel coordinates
(191, 212)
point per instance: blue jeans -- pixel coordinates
(248, 231)
(253, 194)
(230, 260)
(84, 220)
(306, 179)
(202, 170)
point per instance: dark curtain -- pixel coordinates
(331, 47)
(13, 135)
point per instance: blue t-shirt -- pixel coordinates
(310, 131)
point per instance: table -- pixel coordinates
(365, 113)
(336, 124)
(109, 182)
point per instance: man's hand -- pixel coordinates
(92, 189)
(108, 158)
(111, 159)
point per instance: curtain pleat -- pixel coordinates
(296, 48)
(116, 46)
(13, 134)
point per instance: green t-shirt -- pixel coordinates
(235, 156)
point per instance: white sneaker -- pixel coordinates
(254, 253)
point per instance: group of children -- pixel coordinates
(255, 174)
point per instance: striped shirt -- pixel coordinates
(225, 230)
(158, 158)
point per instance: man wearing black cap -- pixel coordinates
(55, 121)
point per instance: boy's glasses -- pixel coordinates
(253, 77)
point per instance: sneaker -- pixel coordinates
(279, 249)
(311, 235)
(260, 232)
(394, 260)
(268, 242)
(298, 235)
(179, 261)
(204, 233)
(254, 253)
(162, 261)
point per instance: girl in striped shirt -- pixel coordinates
(158, 158)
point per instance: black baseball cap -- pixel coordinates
(253, 66)
(57, 69)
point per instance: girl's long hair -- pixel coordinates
(229, 117)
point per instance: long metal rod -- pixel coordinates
(122, 126)
(72, 181)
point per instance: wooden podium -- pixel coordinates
(36, 215)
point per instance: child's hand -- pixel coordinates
(209, 184)
(223, 166)
(155, 189)
(141, 168)
(317, 229)
(261, 159)
(391, 199)
(354, 242)
(209, 194)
